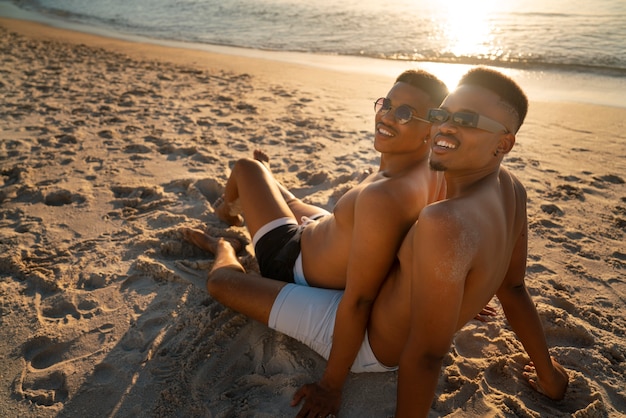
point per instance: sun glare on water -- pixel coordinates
(468, 27)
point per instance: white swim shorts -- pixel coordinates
(308, 315)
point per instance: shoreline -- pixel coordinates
(110, 147)
(540, 85)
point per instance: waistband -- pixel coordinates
(270, 226)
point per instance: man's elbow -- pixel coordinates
(358, 303)
(511, 292)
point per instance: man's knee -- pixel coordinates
(247, 166)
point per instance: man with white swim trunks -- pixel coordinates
(373, 215)
(462, 251)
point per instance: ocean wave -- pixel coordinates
(577, 39)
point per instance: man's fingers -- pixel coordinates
(297, 397)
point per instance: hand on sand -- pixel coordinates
(486, 313)
(318, 401)
(553, 386)
(227, 213)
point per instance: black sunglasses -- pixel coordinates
(466, 120)
(403, 113)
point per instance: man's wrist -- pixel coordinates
(331, 383)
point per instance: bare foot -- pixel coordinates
(224, 212)
(225, 257)
(261, 157)
(208, 243)
(553, 386)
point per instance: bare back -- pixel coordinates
(390, 205)
(490, 231)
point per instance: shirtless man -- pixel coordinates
(330, 248)
(461, 252)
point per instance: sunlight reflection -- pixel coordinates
(467, 27)
(448, 73)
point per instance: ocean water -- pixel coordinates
(566, 36)
(569, 34)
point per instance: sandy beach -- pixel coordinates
(108, 148)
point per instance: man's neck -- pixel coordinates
(392, 165)
(460, 184)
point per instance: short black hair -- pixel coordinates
(508, 90)
(425, 81)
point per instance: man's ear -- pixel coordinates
(507, 141)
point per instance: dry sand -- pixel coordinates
(108, 148)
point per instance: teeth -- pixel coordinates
(384, 132)
(445, 144)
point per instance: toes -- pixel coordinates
(218, 202)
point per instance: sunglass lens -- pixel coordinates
(466, 120)
(403, 114)
(438, 115)
(383, 104)
(378, 104)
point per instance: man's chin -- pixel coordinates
(437, 166)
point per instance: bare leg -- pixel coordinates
(225, 258)
(262, 157)
(297, 206)
(229, 284)
(252, 186)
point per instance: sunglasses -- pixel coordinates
(466, 120)
(403, 113)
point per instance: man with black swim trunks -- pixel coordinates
(355, 246)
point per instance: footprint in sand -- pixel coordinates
(63, 197)
(552, 209)
(481, 340)
(139, 200)
(44, 390)
(137, 149)
(13, 180)
(45, 352)
(140, 336)
(619, 217)
(67, 139)
(567, 192)
(59, 307)
(601, 181)
(48, 363)
(618, 259)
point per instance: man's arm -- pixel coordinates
(440, 265)
(377, 234)
(522, 315)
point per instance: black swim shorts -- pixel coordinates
(277, 251)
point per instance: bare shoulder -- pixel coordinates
(414, 184)
(443, 218)
(508, 179)
(515, 198)
(386, 192)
